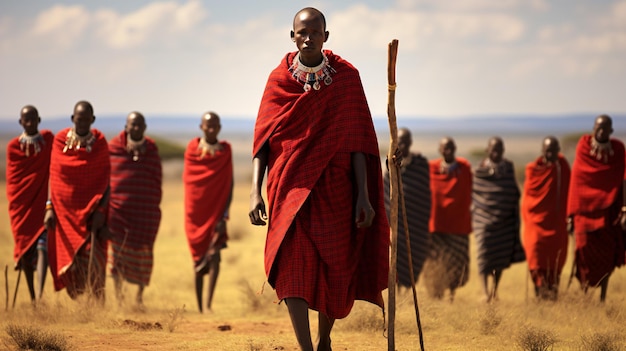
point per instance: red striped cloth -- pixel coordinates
(78, 180)
(27, 191)
(208, 183)
(134, 209)
(595, 200)
(311, 136)
(451, 198)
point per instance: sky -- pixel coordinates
(185, 57)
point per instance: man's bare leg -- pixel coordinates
(117, 281)
(199, 282)
(325, 325)
(497, 275)
(604, 285)
(214, 272)
(139, 298)
(42, 271)
(484, 278)
(299, 313)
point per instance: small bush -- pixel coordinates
(600, 342)
(535, 339)
(490, 321)
(32, 338)
(175, 317)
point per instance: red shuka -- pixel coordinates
(27, 191)
(451, 198)
(78, 181)
(311, 136)
(208, 184)
(544, 212)
(134, 212)
(595, 200)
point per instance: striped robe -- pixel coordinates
(134, 212)
(416, 189)
(495, 217)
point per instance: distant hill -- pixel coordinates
(181, 127)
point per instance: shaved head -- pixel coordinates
(309, 12)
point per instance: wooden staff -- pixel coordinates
(393, 181)
(6, 287)
(17, 285)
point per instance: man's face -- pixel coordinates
(404, 142)
(495, 151)
(551, 150)
(82, 119)
(29, 120)
(211, 127)
(602, 130)
(447, 148)
(309, 35)
(135, 126)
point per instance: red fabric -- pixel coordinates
(451, 196)
(595, 185)
(311, 136)
(208, 184)
(78, 180)
(134, 212)
(27, 191)
(544, 212)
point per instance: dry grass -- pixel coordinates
(536, 339)
(256, 322)
(27, 337)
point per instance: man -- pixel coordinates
(495, 217)
(79, 195)
(28, 162)
(544, 211)
(134, 212)
(208, 180)
(328, 238)
(450, 221)
(597, 204)
(416, 190)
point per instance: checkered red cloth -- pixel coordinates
(595, 200)
(134, 212)
(451, 198)
(78, 180)
(27, 191)
(311, 136)
(208, 184)
(544, 212)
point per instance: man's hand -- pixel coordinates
(364, 213)
(570, 225)
(257, 214)
(220, 227)
(97, 221)
(623, 221)
(49, 219)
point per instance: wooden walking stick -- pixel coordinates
(393, 181)
(17, 285)
(6, 287)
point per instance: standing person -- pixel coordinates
(495, 217)
(328, 237)
(544, 212)
(450, 221)
(416, 189)
(208, 180)
(134, 212)
(597, 204)
(28, 163)
(79, 195)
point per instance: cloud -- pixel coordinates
(60, 27)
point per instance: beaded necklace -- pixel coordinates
(75, 141)
(135, 148)
(205, 147)
(312, 76)
(26, 141)
(601, 151)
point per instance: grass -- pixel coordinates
(27, 337)
(245, 303)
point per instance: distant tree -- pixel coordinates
(169, 150)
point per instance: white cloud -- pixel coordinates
(60, 27)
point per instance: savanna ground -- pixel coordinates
(243, 318)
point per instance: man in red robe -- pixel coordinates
(208, 180)
(134, 212)
(79, 194)
(450, 221)
(328, 237)
(28, 162)
(544, 212)
(597, 204)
